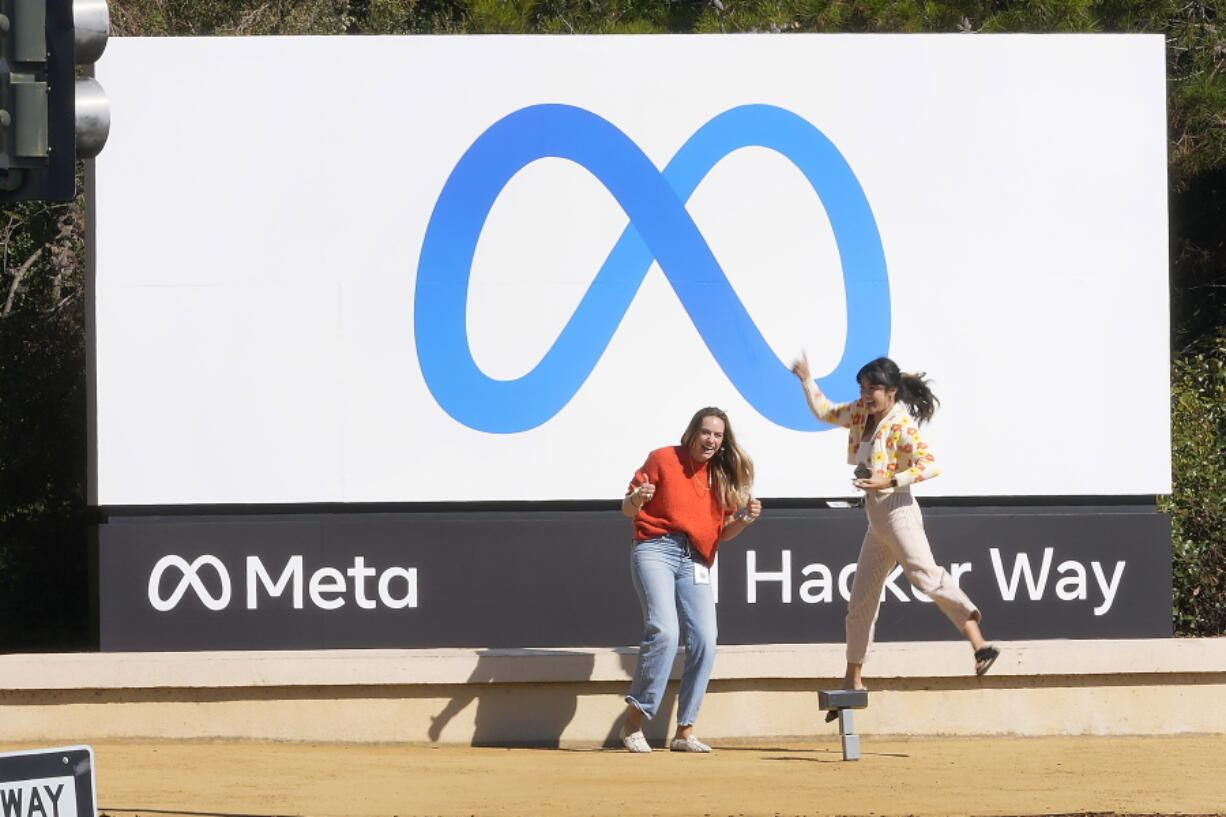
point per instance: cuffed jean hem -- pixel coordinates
(630, 700)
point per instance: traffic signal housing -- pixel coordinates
(48, 116)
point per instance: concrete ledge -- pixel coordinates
(323, 668)
(546, 696)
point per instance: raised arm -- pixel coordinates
(838, 414)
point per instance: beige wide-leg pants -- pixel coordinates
(896, 536)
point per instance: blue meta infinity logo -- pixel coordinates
(660, 230)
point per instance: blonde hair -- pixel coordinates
(731, 467)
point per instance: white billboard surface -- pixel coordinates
(505, 268)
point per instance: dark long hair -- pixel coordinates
(913, 389)
(731, 467)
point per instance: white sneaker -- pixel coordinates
(636, 742)
(690, 744)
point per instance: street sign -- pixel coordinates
(48, 782)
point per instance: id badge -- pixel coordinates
(702, 574)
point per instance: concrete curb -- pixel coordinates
(574, 696)
(322, 668)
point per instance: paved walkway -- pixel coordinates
(920, 776)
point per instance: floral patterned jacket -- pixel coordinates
(898, 449)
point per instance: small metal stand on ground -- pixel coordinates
(844, 701)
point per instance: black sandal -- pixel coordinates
(985, 658)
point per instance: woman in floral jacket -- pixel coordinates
(885, 445)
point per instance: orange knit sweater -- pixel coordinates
(684, 501)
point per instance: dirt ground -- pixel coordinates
(897, 776)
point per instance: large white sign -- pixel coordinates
(505, 268)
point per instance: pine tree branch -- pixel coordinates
(18, 274)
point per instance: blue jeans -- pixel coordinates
(663, 572)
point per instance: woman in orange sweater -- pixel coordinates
(685, 500)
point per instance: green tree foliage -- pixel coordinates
(42, 410)
(1198, 502)
(187, 18)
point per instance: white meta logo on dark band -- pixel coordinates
(327, 588)
(189, 578)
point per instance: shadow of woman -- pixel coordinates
(535, 715)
